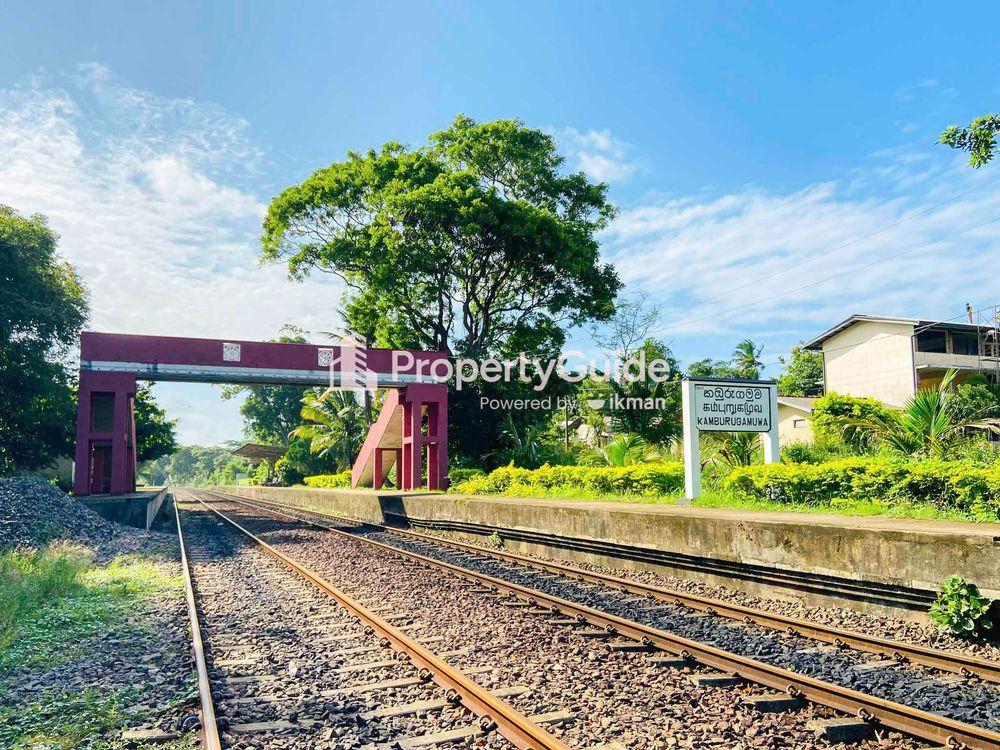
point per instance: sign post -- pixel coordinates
(721, 405)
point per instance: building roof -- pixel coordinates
(936, 325)
(797, 402)
(258, 452)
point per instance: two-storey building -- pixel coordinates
(889, 359)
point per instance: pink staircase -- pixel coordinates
(413, 418)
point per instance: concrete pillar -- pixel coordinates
(81, 465)
(122, 435)
(692, 444)
(377, 470)
(772, 447)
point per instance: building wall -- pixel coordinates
(793, 426)
(871, 359)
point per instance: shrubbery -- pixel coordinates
(457, 475)
(651, 479)
(946, 485)
(961, 609)
(832, 410)
(329, 481)
(813, 453)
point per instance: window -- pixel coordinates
(798, 424)
(965, 343)
(932, 341)
(102, 412)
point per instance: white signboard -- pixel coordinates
(732, 407)
(726, 406)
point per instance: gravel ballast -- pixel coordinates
(616, 696)
(968, 700)
(34, 513)
(282, 652)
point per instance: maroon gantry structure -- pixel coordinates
(411, 431)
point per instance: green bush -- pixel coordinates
(328, 481)
(652, 479)
(830, 412)
(813, 453)
(458, 475)
(946, 485)
(961, 609)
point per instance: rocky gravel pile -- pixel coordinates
(33, 512)
(618, 698)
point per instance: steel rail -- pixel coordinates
(492, 712)
(209, 729)
(923, 724)
(946, 661)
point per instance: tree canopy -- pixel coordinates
(803, 375)
(463, 245)
(744, 362)
(43, 306)
(979, 139)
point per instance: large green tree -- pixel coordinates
(478, 243)
(458, 245)
(43, 306)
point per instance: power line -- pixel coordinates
(829, 278)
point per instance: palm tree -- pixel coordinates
(334, 426)
(526, 447)
(925, 425)
(746, 359)
(624, 450)
(735, 448)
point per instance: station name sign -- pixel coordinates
(731, 407)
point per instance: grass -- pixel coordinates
(29, 581)
(53, 602)
(838, 507)
(86, 720)
(62, 599)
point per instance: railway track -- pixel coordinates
(947, 661)
(475, 565)
(290, 670)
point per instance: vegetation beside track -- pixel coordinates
(58, 608)
(853, 486)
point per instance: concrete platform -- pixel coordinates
(140, 509)
(873, 564)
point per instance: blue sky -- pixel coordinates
(774, 164)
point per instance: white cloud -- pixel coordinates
(598, 153)
(153, 201)
(785, 266)
(910, 92)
